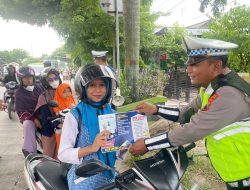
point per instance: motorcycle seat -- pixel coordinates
(48, 172)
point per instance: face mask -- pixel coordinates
(54, 84)
(29, 88)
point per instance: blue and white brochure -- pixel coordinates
(125, 128)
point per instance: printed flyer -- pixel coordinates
(125, 128)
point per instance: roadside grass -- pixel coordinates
(130, 107)
(201, 172)
(246, 78)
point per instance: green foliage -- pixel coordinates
(154, 100)
(85, 27)
(147, 26)
(31, 60)
(59, 53)
(234, 27)
(150, 83)
(172, 44)
(125, 90)
(217, 5)
(16, 55)
(35, 12)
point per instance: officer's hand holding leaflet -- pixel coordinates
(148, 109)
(138, 148)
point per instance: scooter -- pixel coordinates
(162, 171)
(9, 97)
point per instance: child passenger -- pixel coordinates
(63, 96)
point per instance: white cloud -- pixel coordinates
(36, 40)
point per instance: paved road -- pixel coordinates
(12, 160)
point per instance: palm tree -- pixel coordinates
(131, 11)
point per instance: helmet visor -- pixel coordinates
(94, 71)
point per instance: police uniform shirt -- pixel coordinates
(230, 105)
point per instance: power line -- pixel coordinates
(176, 5)
(161, 5)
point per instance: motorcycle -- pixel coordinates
(161, 171)
(9, 97)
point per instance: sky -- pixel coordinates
(36, 40)
(44, 40)
(186, 12)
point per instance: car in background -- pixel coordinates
(38, 69)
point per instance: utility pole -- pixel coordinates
(117, 37)
(114, 8)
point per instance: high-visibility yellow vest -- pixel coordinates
(229, 148)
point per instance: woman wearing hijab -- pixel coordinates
(50, 79)
(93, 83)
(26, 98)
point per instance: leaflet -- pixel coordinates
(125, 128)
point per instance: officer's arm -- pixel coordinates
(170, 113)
(158, 142)
(181, 114)
(222, 112)
(228, 106)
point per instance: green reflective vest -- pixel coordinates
(229, 148)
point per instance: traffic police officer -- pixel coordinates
(100, 58)
(220, 113)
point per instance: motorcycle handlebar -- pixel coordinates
(54, 117)
(189, 147)
(107, 187)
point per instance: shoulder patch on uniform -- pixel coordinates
(210, 101)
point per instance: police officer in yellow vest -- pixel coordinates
(220, 114)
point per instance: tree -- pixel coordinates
(217, 5)
(31, 60)
(173, 41)
(234, 27)
(131, 10)
(16, 55)
(19, 54)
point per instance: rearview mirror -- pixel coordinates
(52, 103)
(91, 167)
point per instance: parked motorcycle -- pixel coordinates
(162, 171)
(9, 97)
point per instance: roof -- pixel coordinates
(200, 25)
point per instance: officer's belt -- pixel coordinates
(242, 183)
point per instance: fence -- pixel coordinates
(179, 86)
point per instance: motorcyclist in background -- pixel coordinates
(11, 76)
(25, 102)
(50, 80)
